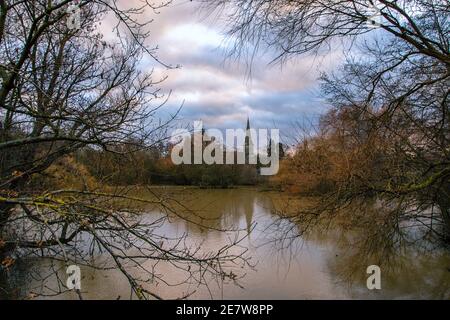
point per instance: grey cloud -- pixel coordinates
(218, 90)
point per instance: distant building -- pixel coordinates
(248, 145)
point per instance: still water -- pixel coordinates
(307, 268)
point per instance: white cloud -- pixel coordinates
(217, 89)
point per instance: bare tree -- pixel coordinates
(62, 89)
(388, 135)
(301, 26)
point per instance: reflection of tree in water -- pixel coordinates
(212, 210)
(13, 283)
(9, 284)
(410, 274)
(412, 264)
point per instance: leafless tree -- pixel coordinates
(62, 89)
(301, 26)
(389, 131)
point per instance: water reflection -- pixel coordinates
(322, 266)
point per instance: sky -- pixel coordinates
(221, 90)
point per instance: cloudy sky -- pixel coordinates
(218, 90)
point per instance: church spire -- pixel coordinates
(248, 143)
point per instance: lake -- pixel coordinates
(306, 268)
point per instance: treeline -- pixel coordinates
(346, 147)
(153, 166)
